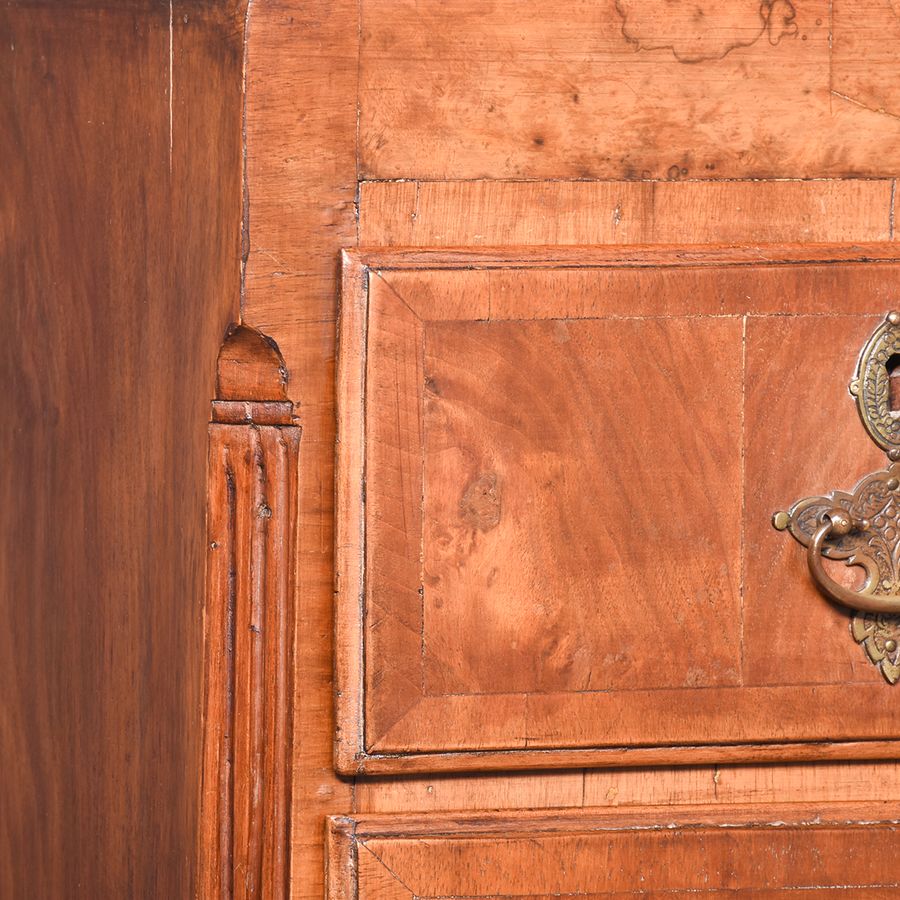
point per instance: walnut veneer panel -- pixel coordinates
(551, 449)
(563, 555)
(624, 89)
(826, 850)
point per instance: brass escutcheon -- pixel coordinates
(862, 527)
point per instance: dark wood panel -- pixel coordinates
(120, 134)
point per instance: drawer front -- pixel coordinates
(827, 851)
(557, 472)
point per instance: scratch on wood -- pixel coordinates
(830, 56)
(743, 490)
(891, 212)
(171, 76)
(245, 179)
(359, 47)
(859, 103)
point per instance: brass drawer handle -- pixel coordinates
(837, 522)
(863, 527)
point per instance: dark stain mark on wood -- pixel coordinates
(480, 503)
(704, 33)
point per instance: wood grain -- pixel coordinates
(250, 368)
(533, 760)
(520, 565)
(120, 135)
(512, 213)
(249, 621)
(636, 787)
(626, 90)
(817, 783)
(394, 486)
(486, 622)
(669, 256)
(472, 791)
(865, 37)
(789, 642)
(770, 850)
(555, 289)
(300, 124)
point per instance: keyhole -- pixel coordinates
(893, 370)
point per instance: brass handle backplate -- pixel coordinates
(862, 528)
